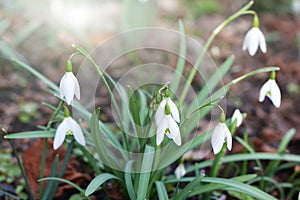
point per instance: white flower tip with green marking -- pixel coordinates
(272, 91)
(68, 126)
(238, 116)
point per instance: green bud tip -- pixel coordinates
(167, 110)
(255, 21)
(158, 98)
(273, 75)
(69, 66)
(222, 117)
(66, 112)
(167, 94)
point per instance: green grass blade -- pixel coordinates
(213, 186)
(97, 182)
(53, 173)
(184, 193)
(146, 172)
(161, 190)
(245, 156)
(181, 59)
(241, 187)
(35, 73)
(31, 134)
(128, 180)
(63, 180)
(272, 166)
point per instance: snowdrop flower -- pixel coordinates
(220, 133)
(238, 117)
(180, 171)
(69, 85)
(166, 118)
(271, 90)
(254, 39)
(161, 108)
(68, 127)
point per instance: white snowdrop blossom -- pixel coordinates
(220, 134)
(69, 87)
(167, 125)
(238, 116)
(180, 171)
(68, 127)
(166, 118)
(161, 110)
(272, 91)
(254, 39)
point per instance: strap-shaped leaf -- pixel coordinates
(97, 182)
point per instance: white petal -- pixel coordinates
(228, 136)
(217, 139)
(275, 94)
(173, 127)
(246, 40)
(160, 112)
(60, 134)
(237, 115)
(77, 132)
(262, 41)
(253, 41)
(67, 87)
(180, 171)
(177, 140)
(264, 90)
(161, 129)
(61, 88)
(77, 87)
(174, 110)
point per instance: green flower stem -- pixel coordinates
(27, 185)
(218, 158)
(63, 168)
(207, 45)
(44, 151)
(102, 76)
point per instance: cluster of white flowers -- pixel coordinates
(68, 88)
(166, 118)
(253, 39)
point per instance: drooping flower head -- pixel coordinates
(271, 90)
(220, 134)
(68, 127)
(166, 118)
(237, 117)
(180, 171)
(254, 39)
(69, 85)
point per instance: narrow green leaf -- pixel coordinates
(145, 172)
(35, 73)
(242, 187)
(245, 156)
(63, 180)
(128, 180)
(97, 182)
(272, 166)
(213, 186)
(184, 193)
(53, 173)
(181, 59)
(31, 134)
(161, 190)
